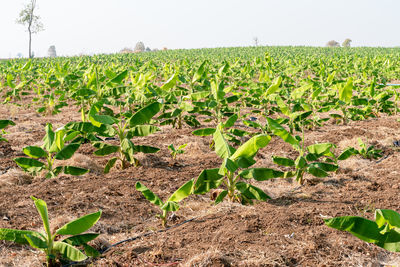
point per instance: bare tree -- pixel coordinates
(346, 43)
(28, 18)
(255, 40)
(332, 43)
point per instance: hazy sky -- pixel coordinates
(100, 26)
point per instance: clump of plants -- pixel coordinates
(235, 171)
(124, 127)
(54, 148)
(317, 159)
(51, 244)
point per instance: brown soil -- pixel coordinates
(287, 230)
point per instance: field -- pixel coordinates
(272, 149)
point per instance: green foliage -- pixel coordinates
(176, 151)
(368, 152)
(171, 204)
(125, 126)
(4, 124)
(384, 231)
(54, 148)
(235, 169)
(317, 160)
(60, 248)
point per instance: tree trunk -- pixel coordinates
(30, 43)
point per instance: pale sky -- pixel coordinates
(100, 26)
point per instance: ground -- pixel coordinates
(287, 230)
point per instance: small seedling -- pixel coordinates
(175, 152)
(368, 152)
(54, 148)
(383, 232)
(172, 202)
(4, 124)
(46, 241)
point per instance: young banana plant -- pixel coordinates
(176, 151)
(235, 170)
(125, 127)
(230, 134)
(56, 249)
(317, 160)
(384, 231)
(54, 148)
(171, 204)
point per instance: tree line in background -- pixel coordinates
(333, 43)
(29, 19)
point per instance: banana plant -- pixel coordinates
(125, 127)
(176, 151)
(171, 204)
(383, 231)
(57, 249)
(317, 159)
(368, 152)
(235, 170)
(3, 125)
(230, 133)
(54, 149)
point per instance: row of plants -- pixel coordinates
(263, 90)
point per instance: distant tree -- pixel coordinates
(52, 51)
(139, 47)
(332, 43)
(126, 50)
(148, 49)
(19, 55)
(255, 39)
(346, 43)
(165, 48)
(28, 18)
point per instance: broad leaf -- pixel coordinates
(182, 192)
(67, 152)
(204, 131)
(148, 194)
(34, 152)
(278, 130)
(283, 161)
(260, 174)
(251, 147)
(36, 242)
(221, 145)
(17, 236)
(69, 252)
(106, 150)
(145, 114)
(110, 164)
(207, 180)
(80, 225)
(41, 206)
(5, 123)
(76, 171)
(251, 192)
